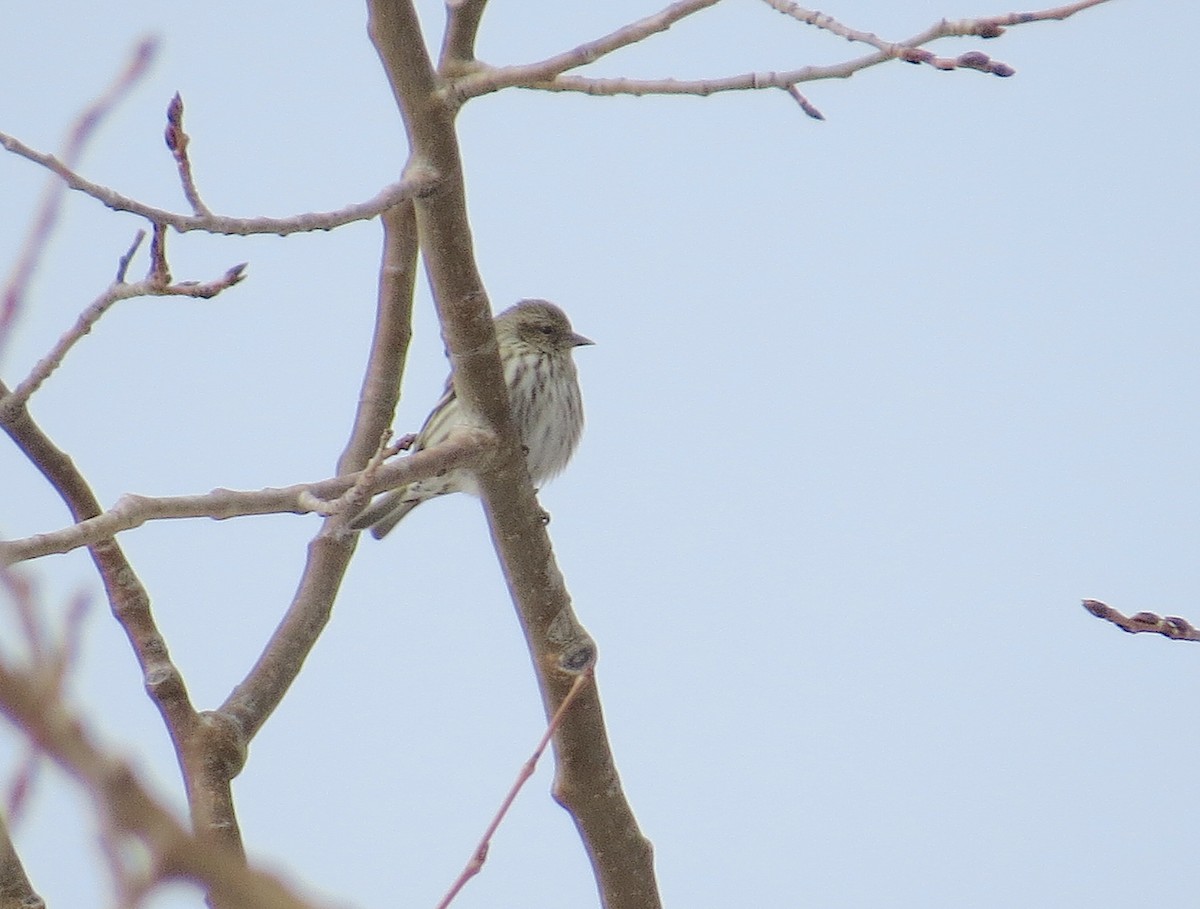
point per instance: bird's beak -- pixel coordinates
(578, 340)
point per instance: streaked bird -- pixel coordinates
(536, 344)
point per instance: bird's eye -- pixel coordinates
(547, 329)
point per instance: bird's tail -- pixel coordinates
(385, 514)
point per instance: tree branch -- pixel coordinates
(415, 183)
(129, 810)
(548, 75)
(559, 646)
(458, 42)
(199, 744)
(252, 701)
(529, 75)
(16, 892)
(51, 204)
(1171, 626)
(466, 447)
(156, 284)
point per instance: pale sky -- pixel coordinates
(874, 403)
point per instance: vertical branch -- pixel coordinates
(462, 26)
(587, 782)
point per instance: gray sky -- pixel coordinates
(874, 403)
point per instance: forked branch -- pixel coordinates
(551, 74)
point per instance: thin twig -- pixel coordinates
(155, 285)
(466, 448)
(805, 105)
(416, 181)
(479, 856)
(549, 74)
(177, 141)
(43, 223)
(1171, 626)
(489, 79)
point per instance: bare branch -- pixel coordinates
(479, 856)
(15, 888)
(43, 223)
(805, 105)
(127, 807)
(1170, 626)
(465, 448)
(177, 141)
(534, 75)
(128, 600)
(253, 701)
(547, 75)
(587, 781)
(156, 284)
(458, 42)
(416, 182)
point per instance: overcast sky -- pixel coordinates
(874, 403)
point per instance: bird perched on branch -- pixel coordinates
(536, 342)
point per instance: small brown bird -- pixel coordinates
(536, 341)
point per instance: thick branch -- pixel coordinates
(16, 892)
(196, 748)
(559, 646)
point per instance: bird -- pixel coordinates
(536, 344)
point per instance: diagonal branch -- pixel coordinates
(130, 605)
(133, 814)
(15, 888)
(528, 75)
(256, 697)
(587, 782)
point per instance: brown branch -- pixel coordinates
(548, 75)
(416, 182)
(458, 41)
(1170, 626)
(253, 701)
(587, 780)
(16, 891)
(127, 808)
(156, 284)
(51, 204)
(199, 745)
